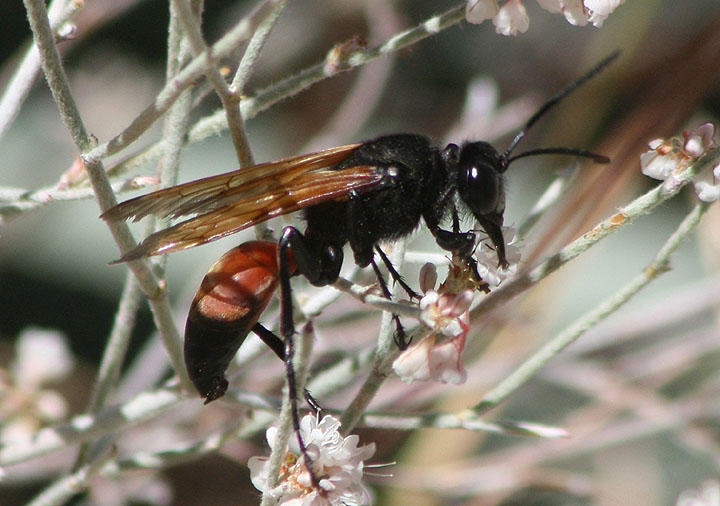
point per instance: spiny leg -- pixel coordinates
(399, 337)
(287, 330)
(278, 347)
(396, 275)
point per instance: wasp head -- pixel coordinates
(479, 172)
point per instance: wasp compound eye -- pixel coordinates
(480, 184)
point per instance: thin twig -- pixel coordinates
(254, 48)
(82, 428)
(14, 201)
(242, 75)
(230, 100)
(113, 355)
(58, 83)
(65, 488)
(22, 80)
(463, 420)
(175, 456)
(362, 293)
(385, 352)
(186, 78)
(538, 359)
(303, 346)
(250, 106)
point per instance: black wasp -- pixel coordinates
(361, 194)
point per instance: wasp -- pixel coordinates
(358, 194)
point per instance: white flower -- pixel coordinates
(708, 495)
(573, 10)
(41, 356)
(707, 185)
(657, 162)
(428, 360)
(432, 359)
(511, 18)
(668, 158)
(477, 11)
(600, 9)
(337, 461)
(442, 312)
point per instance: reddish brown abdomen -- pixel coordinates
(234, 293)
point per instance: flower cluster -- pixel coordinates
(41, 357)
(512, 17)
(446, 312)
(434, 358)
(336, 460)
(666, 159)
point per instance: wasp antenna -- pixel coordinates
(597, 158)
(559, 96)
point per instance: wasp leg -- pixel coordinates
(396, 275)
(400, 337)
(310, 267)
(276, 345)
(362, 246)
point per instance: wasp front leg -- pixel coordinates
(364, 250)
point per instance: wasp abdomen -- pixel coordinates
(234, 293)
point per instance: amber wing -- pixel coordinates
(230, 202)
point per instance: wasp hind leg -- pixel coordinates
(278, 347)
(319, 271)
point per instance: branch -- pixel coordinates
(533, 364)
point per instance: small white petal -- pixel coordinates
(445, 363)
(707, 185)
(604, 7)
(706, 192)
(694, 146)
(575, 12)
(511, 18)
(601, 9)
(477, 11)
(271, 435)
(487, 263)
(707, 132)
(413, 364)
(657, 166)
